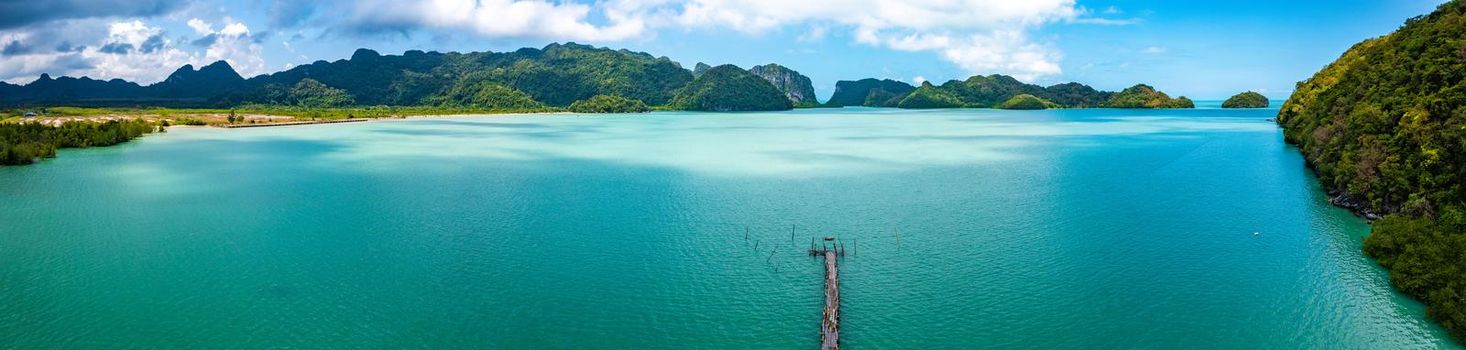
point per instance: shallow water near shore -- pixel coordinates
(969, 229)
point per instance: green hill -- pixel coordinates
(1246, 100)
(1384, 127)
(990, 91)
(1076, 95)
(869, 93)
(727, 88)
(608, 104)
(994, 91)
(1145, 96)
(1025, 101)
(928, 96)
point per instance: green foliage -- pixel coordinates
(187, 121)
(989, 91)
(1246, 100)
(1025, 101)
(556, 75)
(727, 88)
(869, 92)
(312, 93)
(1075, 95)
(1145, 96)
(1384, 127)
(929, 97)
(608, 104)
(482, 91)
(23, 143)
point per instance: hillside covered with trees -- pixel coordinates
(1384, 127)
(527, 79)
(727, 88)
(996, 91)
(549, 78)
(1248, 99)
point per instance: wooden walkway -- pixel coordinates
(306, 122)
(830, 323)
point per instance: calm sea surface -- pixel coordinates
(969, 229)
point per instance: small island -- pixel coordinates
(1248, 99)
(1145, 96)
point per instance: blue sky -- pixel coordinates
(1202, 49)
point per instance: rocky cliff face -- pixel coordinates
(699, 69)
(794, 85)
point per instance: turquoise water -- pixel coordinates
(971, 229)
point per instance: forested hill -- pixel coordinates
(1384, 127)
(557, 75)
(996, 91)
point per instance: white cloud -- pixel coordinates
(918, 80)
(816, 33)
(498, 18)
(232, 44)
(200, 27)
(131, 50)
(982, 36)
(1154, 50)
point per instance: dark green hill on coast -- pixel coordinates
(1384, 127)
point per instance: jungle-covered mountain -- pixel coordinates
(869, 92)
(996, 91)
(1384, 127)
(727, 88)
(554, 76)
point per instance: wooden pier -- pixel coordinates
(830, 322)
(303, 122)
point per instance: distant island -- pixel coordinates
(553, 78)
(996, 91)
(1248, 99)
(1382, 127)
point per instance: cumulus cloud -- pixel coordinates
(232, 43)
(980, 36)
(492, 18)
(19, 13)
(132, 50)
